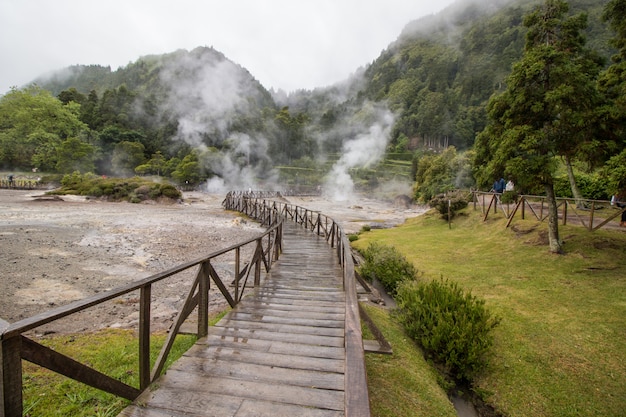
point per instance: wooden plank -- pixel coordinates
(303, 303)
(260, 409)
(262, 373)
(177, 403)
(266, 358)
(291, 307)
(291, 313)
(329, 298)
(262, 317)
(263, 391)
(318, 340)
(274, 346)
(282, 328)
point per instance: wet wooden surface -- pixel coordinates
(279, 353)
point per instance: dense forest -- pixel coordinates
(195, 115)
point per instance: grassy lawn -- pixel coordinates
(560, 349)
(402, 384)
(112, 352)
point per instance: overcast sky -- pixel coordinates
(285, 44)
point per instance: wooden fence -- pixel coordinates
(591, 214)
(15, 345)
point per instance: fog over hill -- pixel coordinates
(428, 88)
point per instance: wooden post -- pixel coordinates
(237, 271)
(203, 301)
(257, 265)
(11, 376)
(144, 336)
(591, 212)
(565, 204)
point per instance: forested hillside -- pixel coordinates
(441, 71)
(194, 115)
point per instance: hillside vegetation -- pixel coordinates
(196, 115)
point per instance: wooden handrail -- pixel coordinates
(14, 346)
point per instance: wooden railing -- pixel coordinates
(592, 214)
(257, 206)
(15, 345)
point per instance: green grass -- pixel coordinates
(112, 352)
(560, 349)
(402, 384)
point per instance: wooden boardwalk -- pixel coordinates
(280, 352)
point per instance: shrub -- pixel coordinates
(453, 327)
(168, 190)
(509, 197)
(591, 186)
(457, 200)
(131, 189)
(387, 265)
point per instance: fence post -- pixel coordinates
(144, 336)
(257, 265)
(203, 301)
(237, 272)
(10, 374)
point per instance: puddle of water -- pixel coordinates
(463, 407)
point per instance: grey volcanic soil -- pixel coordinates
(53, 252)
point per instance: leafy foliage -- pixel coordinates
(387, 265)
(36, 130)
(452, 326)
(439, 173)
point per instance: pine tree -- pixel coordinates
(547, 109)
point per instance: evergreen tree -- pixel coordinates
(545, 111)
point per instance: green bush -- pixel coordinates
(509, 197)
(457, 200)
(134, 189)
(387, 265)
(592, 186)
(168, 190)
(453, 327)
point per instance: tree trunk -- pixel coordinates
(572, 183)
(556, 246)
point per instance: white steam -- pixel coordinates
(364, 150)
(206, 93)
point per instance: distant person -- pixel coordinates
(499, 186)
(509, 186)
(10, 180)
(619, 200)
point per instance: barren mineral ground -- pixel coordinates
(57, 250)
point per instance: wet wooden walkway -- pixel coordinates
(280, 352)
